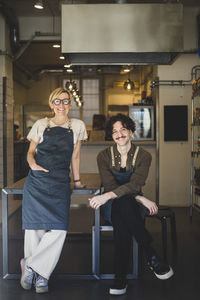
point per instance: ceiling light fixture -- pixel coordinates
(39, 4)
(69, 70)
(129, 85)
(56, 45)
(67, 66)
(62, 57)
(70, 85)
(80, 104)
(126, 70)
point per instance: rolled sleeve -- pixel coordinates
(34, 133)
(82, 133)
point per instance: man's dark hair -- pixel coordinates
(126, 121)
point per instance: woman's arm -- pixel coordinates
(76, 166)
(31, 157)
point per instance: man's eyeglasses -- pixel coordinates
(64, 101)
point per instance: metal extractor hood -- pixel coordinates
(122, 33)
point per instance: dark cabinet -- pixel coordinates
(20, 162)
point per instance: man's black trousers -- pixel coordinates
(127, 222)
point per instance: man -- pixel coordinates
(123, 170)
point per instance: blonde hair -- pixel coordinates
(57, 92)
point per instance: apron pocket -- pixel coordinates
(39, 173)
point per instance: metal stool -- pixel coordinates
(96, 230)
(163, 214)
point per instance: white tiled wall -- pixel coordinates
(9, 133)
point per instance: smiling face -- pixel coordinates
(61, 109)
(120, 134)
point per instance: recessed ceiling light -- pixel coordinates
(69, 70)
(39, 4)
(126, 70)
(62, 57)
(67, 66)
(56, 46)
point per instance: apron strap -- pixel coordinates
(135, 156)
(69, 125)
(112, 156)
(48, 124)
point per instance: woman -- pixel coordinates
(54, 144)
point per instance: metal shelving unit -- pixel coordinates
(195, 149)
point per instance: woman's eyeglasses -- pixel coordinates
(64, 101)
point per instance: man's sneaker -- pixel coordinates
(41, 284)
(161, 269)
(119, 287)
(27, 275)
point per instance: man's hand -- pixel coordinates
(152, 207)
(96, 201)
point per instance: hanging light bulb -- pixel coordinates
(39, 4)
(77, 98)
(129, 85)
(70, 85)
(80, 103)
(74, 93)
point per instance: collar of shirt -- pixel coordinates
(117, 157)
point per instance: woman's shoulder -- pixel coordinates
(77, 122)
(41, 122)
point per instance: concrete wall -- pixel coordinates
(174, 158)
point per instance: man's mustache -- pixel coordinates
(121, 137)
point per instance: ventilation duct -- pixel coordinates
(122, 34)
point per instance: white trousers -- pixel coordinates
(42, 250)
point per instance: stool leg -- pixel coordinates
(135, 258)
(173, 232)
(164, 236)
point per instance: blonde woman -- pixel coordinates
(55, 143)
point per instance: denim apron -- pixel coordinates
(46, 196)
(121, 177)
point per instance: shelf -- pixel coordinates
(195, 154)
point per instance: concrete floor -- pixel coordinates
(76, 258)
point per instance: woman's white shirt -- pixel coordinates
(37, 131)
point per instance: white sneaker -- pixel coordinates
(119, 287)
(41, 284)
(27, 275)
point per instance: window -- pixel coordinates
(89, 90)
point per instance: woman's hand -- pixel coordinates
(79, 185)
(36, 167)
(96, 201)
(150, 205)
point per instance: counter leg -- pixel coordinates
(5, 232)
